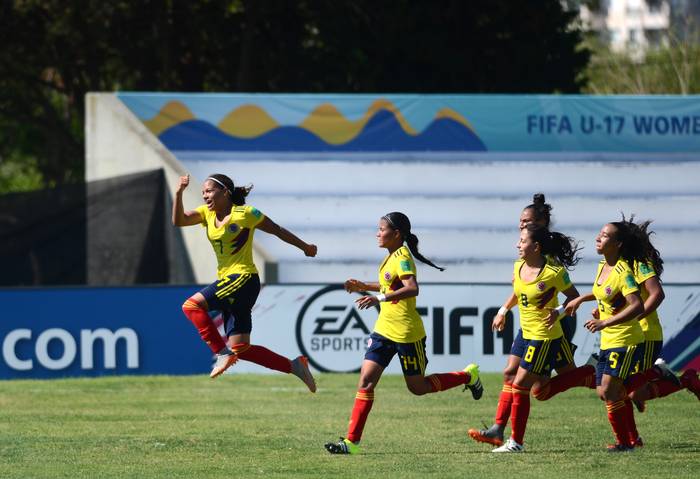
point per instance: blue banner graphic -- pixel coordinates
(408, 123)
(51, 333)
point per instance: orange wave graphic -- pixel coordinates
(171, 114)
(453, 115)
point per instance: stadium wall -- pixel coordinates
(119, 331)
(461, 166)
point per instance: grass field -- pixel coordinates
(270, 426)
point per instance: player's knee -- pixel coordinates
(240, 348)
(417, 389)
(190, 304)
(541, 393)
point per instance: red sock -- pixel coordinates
(579, 377)
(618, 420)
(652, 374)
(519, 412)
(363, 405)
(505, 402)
(662, 388)
(262, 356)
(635, 382)
(632, 432)
(201, 320)
(445, 381)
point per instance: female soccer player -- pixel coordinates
(660, 380)
(536, 283)
(230, 226)
(399, 330)
(568, 376)
(621, 339)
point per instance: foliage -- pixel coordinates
(270, 426)
(672, 69)
(54, 52)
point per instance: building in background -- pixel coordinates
(632, 26)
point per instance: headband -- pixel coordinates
(217, 181)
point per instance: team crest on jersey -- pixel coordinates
(608, 291)
(387, 275)
(541, 286)
(233, 228)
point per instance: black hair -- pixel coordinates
(636, 243)
(541, 210)
(399, 221)
(564, 248)
(236, 193)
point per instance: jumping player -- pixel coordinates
(230, 226)
(398, 330)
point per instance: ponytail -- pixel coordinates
(636, 244)
(412, 243)
(552, 243)
(400, 222)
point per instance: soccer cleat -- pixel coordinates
(223, 362)
(492, 435)
(474, 384)
(666, 372)
(510, 446)
(300, 368)
(640, 405)
(638, 442)
(343, 446)
(619, 448)
(690, 381)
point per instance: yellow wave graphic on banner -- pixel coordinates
(329, 124)
(171, 114)
(247, 121)
(325, 121)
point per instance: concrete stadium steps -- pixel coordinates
(410, 176)
(475, 271)
(462, 250)
(468, 211)
(465, 210)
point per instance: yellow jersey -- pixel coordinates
(398, 320)
(536, 296)
(611, 300)
(650, 324)
(233, 240)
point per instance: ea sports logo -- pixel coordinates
(332, 332)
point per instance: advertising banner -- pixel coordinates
(373, 123)
(48, 333)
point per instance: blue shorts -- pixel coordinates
(564, 355)
(235, 297)
(381, 350)
(652, 352)
(618, 362)
(539, 355)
